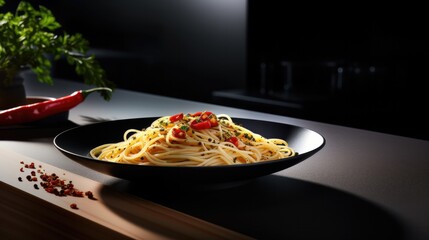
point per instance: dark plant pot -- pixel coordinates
(12, 94)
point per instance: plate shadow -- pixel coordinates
(276, 207)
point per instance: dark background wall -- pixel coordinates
(182, 48)
(357, 65)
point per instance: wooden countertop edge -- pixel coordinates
(36, 213)
(26, 216)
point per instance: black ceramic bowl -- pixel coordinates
(77, 142)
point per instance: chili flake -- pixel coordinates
(53, 184)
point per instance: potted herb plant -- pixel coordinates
(31, 38)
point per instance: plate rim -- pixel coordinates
(87, 157)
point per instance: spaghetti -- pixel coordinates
(199, 139)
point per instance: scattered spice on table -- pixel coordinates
(53, 184)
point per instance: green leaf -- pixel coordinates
(29, 35)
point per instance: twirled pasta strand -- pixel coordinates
(158, 145)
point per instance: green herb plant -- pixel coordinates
(30, 38)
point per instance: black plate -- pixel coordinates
(77, 142)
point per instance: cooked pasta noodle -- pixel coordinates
(199, 139)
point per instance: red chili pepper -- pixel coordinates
(179, 133)
(40, 110)
(176, 117)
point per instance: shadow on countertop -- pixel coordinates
(33, 131)
(275, 207)
(44, 128)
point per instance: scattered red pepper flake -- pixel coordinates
(90, 195)
(51, 183)
(31, 165)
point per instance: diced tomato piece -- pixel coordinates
(176, 117)
(213, 121)
(200, 125)
(233, 140)
(200, 113)
(204, 116)
(205, 120)
(179, 133)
